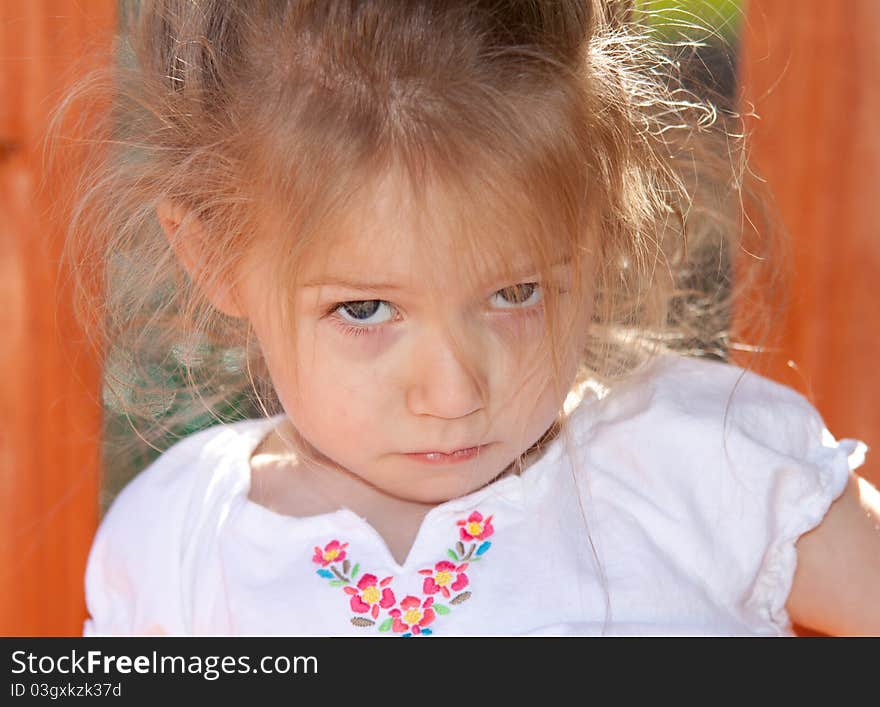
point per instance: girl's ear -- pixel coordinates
(187, 238)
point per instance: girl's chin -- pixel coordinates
(433, 484)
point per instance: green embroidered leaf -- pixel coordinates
(354, 572)
(361, 622)
(386, 625)
(337, 583)
(345, 566)
(441, 609)
(464, 596)
(452, 554)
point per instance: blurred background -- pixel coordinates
(807, 69)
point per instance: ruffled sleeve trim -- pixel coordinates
(834, 461)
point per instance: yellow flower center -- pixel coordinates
(371, 594)
(412, 616)
(330, 555)
(475, 528)
(443, 578)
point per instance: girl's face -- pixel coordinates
(374, 382)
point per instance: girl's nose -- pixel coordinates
(445, 381)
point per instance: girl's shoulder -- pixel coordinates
(722, 468)
(695, 429)
(683, 400)
(139, 550)
(205, 464)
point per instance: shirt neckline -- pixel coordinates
(519, 491)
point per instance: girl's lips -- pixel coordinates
(441, 458)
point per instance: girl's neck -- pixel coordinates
(296, 486)
(288, 485)
(292, 484)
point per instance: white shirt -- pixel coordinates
(692, 519)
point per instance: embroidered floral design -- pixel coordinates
(413, 615)
(370, 595)
(475, 528)
(332, 552)
(443, 577)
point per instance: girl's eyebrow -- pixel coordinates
(351, 285)
(376, 286)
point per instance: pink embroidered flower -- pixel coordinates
(332, 552)
(475, 528)
(414, 615)
(444, 576)
(369, 597)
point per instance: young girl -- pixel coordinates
(456, 250)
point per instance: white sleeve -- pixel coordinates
(110, 590)
(805, 474)
(778, 471)
(132, 580)
(724, 470)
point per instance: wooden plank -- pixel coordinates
(811, 73)
(50, 434)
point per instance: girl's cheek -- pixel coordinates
(517, 332)
(352, 344)
(521, 340)
(520, 330)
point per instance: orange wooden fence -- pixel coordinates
(50, 416)
(812, 71)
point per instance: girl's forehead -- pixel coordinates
(394, 238)
(397, 260)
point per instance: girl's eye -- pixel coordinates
(518, 296)
(360, 317)
(364, 312)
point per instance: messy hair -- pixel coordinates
(563, 128)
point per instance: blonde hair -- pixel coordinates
(563, 127)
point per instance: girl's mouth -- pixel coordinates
(459, 455)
